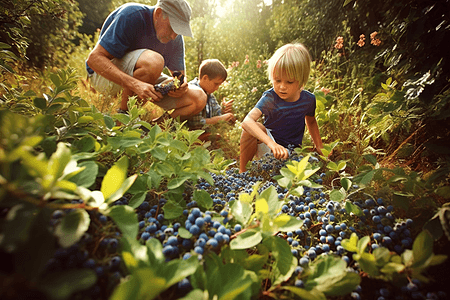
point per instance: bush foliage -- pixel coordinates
(94, 203)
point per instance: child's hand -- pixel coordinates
(228, 117)
(278, 151)
(227, 106)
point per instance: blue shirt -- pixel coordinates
(286, 120)
(130, 27)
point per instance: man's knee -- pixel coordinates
(149, 66)
(198, 98)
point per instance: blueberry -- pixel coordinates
(304, 261)
(184, 284)
(198, 250)
(213, 243)
(195, 230)
(299, 283)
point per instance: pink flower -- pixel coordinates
(361, 42)
(360, 89)
(339, 43)
(325, 90)
(254, 90)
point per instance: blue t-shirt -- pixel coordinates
(286, 120)
(130, 27)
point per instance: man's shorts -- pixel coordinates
(127, 64)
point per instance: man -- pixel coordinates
(136, 42)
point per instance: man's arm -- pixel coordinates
(99, 60)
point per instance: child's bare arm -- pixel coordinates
(313, 129)
(228, 117)
(249, 125)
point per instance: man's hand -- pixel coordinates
(180, 91)
(146, 92)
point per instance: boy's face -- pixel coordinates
(210, 85)
(286, 88)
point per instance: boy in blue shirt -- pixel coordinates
(136, 43)
(286, 108)
(212, 74)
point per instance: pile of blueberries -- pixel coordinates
(326, 224)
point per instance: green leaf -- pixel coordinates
(109, 122)
(392, 268)
(72, 227)
(176, 270)
(154, 179)
(281, 251)
(137, 199)
(184, 233)
(114, 177)
(353, 208)
(148, 289)
(86, 144)
(287, 223)
(62, 284)
(59, 160)
(346, 183)
(328, 274)
(371, 158)
(172, 210)
(338, 195)
(351, 243)
(177, 181)
(347, 2)
(241, 211)
(122, 189)
(203, 199)
(367, 178)
(422, 248)
(86, 177)
(40, 103)
(159, 153)
(313, 294)
(271, 196)
(246, 240)
(196, 294)
(237, 282)
(128, 289)
(126, 219)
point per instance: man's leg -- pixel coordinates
(248, 147)
(148, 68)
(190, 103)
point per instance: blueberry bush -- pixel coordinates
(101, 206)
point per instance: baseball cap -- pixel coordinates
(179, 13)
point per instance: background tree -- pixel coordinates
(94, 13)
(39, 30)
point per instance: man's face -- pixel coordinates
(163, 29)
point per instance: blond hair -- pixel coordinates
(213, 68)
(293, 60)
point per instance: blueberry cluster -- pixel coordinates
(326, 224)
(96, 250)
(207, 229)
(166, 86)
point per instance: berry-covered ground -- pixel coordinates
(326, 224)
